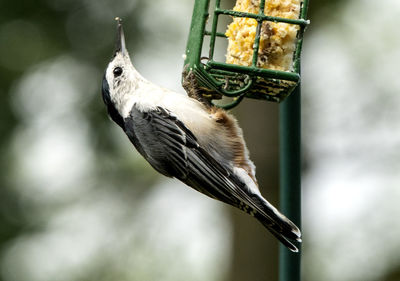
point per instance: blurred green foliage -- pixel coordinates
(33, 32)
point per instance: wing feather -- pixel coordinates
(172, 149)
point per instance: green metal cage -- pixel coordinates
(216, 79)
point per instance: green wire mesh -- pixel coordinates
(217, 79)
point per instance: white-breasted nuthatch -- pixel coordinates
(180, 137)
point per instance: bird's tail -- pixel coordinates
(279, 225)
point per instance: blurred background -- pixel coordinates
(78, 203)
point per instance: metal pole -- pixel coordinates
(290, 179)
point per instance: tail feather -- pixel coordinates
(279, 225)
(284, 241)
(281, 236)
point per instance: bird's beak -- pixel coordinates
(120, 46)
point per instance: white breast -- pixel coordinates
(148, 96)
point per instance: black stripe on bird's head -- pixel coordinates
(111, 110)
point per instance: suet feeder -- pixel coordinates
(212, 77)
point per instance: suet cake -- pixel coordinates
(277, 39)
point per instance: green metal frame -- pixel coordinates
(237, 81)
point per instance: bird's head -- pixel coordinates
(120, 77)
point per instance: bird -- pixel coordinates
(182, 138)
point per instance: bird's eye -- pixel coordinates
(117, 71)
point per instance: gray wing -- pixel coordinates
(172, 149)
